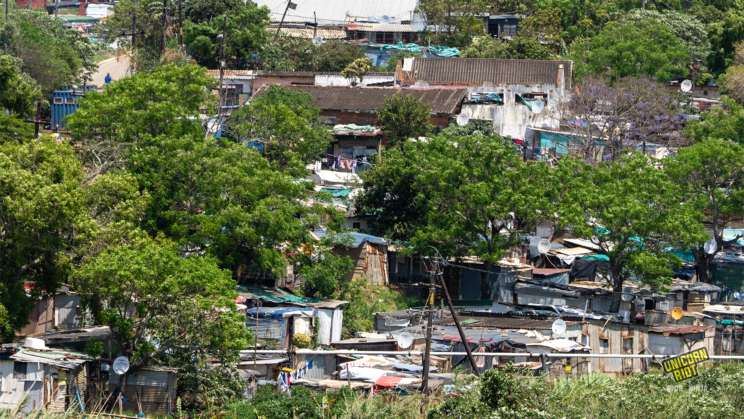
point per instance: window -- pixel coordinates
(508, 30)
(19, 370)
(329, 120)
(385, 38)
(356, 225)
(69, 101)
(628, 345)
(604, 346)
(59, 101)
(408, 37)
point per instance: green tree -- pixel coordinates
(637, 48)
(356, 71)
(17, 90)
(42, 206)
(543, 25)
(519, 48)
(395, 56)
(473, 127)
(245, 35)
(482, 197)
(156, 302)
(403, 117)
(198, 11)
(726, 123)
(732, 82)
(630, 210)
(164, 104)
(724, 35)
(690, 31)
(333, 57)
(286, 122)
(710, 177)
(322, 271)
(453, 21)
(14, 129)
(299, 54)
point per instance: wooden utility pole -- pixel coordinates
(445, 291)
(180, 24)
(56, 8)
(162, 41)
(134, 30)
(36, 121)
(281, 22)
(429, 331)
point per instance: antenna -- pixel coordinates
(559, 327)
(628, 294)
(463, 119)
(710, 247)
(405, 340)
(686, 86)
(543, 246)
(538, 107)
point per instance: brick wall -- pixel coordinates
(35, 4)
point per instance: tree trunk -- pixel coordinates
(486, 283)
(617, 288)
(702, 265)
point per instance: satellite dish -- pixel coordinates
(463, 119)
(405, 340)
(552, 105)
(710, 247)
(121, 365)
(628, 294)
(686, 86)
(361, 85)
(318, 40)
(384, 20)
(543, 246)
(487, 84)
(538, 107)
(559, 327)
(677, 313)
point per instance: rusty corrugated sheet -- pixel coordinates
(477, 71)
(328, 98)
(679, 330)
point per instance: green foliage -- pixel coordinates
(301, 341)
(245, 33)
(543, 25)
(94, 347)
(49, 54)
(403, 117)
(335, 56)
(356, 71)
(724, 34)
(396, 56)
(288, 124)
(636, 48)
(640, 216)
(270, 404)
(473, 127)
(42, 206)
(501, 390)
(690, 31)
(322, 275)
(454, 21)
(519, 48)
(726, 123)
(18, 92)
(198, 11)
(155, 301)
(13, 128)
(732, 82)
(364, 301)
(298, 54)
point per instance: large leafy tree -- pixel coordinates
(636, 48)
(724, 34)
(199, 11)
(164, 104)
(403, 117)
(690, 31)
(630, 210)
(726, 123)
(245, 35)
(300, 54)
(160, 304)
(453, 20)
(287, 124)
(482, 195)
(18, 91)
(48, 53)
(710, 176)
(519, 48)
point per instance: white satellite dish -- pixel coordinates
(405, 340)
(543, 246)
(686, 86)
(121, 365)
(463, 119)
(710, 247)
(361, 85)
(559, 327)
(628, 294)
(318, 40)
(384, 20)
(552, 105)
(538, 107)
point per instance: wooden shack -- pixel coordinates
(154, 386)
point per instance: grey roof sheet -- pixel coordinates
(441, 100)
(338, 11)
(481, 70)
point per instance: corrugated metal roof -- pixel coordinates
(339, 11)
(477, 71)
(65, 360)
(310, 33)
(250, 74)
(502, 323)
(442, 100)
(232, 74)
(679, 330)
(274, 295)
(378, 27)
(538, 271)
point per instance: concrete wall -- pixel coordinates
(339, 80)
(261, 81)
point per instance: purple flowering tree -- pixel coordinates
(606, 119)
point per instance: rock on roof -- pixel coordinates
(351, 99)
(476, 71)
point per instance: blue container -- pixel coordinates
(65, 102)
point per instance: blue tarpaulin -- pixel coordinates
(279, 313)
(357, 238)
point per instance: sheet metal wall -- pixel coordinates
(69, 104)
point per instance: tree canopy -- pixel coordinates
(403, 117)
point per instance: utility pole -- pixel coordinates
(36, 121)
(134, 30)
(180, 24)
(162, 42)
(222, 64)
(429, 331)
(445, 291)
(281, 22)
(56, 8)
